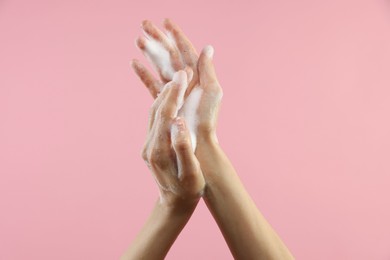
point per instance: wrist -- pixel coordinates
(214, 163)
(178, 206)
(211, 157)
(207, 139)
(159, 232)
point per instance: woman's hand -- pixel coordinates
(226, 197)
(172, 51)
(169, 155)
(167, 150)
(168, 52)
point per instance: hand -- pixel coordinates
(226, 197)
(168, 52)
(171, 52)
(168, 152)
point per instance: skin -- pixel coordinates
(169, 156)
(246, 231)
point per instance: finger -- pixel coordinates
(187, 50)
(184, 45)
(140, 42)
(206, 71)
(207, 76)
(152, 84)
(191, 79)
(170, 100)
(158, 57)
(175, 98)
(157, 103)
(188, 166)
(151, 31)
(155, 36)
(190, 73)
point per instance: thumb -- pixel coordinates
(188, 165)
(206, 70)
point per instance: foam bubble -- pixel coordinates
(159, 57)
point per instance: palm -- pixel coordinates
(170, 52)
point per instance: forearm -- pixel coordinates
(246, 231)
(159, 232)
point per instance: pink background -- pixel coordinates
(305, 120)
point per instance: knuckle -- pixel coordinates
(194, 184)
(155, 86)
(164, 112)
(191, 62)
(182, 145)
(144, 154)
(157, 160)
(153, 157)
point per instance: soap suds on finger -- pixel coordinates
(180, 78)
(189, 113)
(171, 39)
(159, 57)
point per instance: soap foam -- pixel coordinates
(161, 60)
(181, 79)
(189, 113)
(171, 39)
(159, 57)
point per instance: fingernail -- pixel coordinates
(209, 51)
(144, 23)
(133, 65)
(165, 21)
(140, 43)
(167, 24)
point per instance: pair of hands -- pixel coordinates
(183, 154)
(184, 113)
